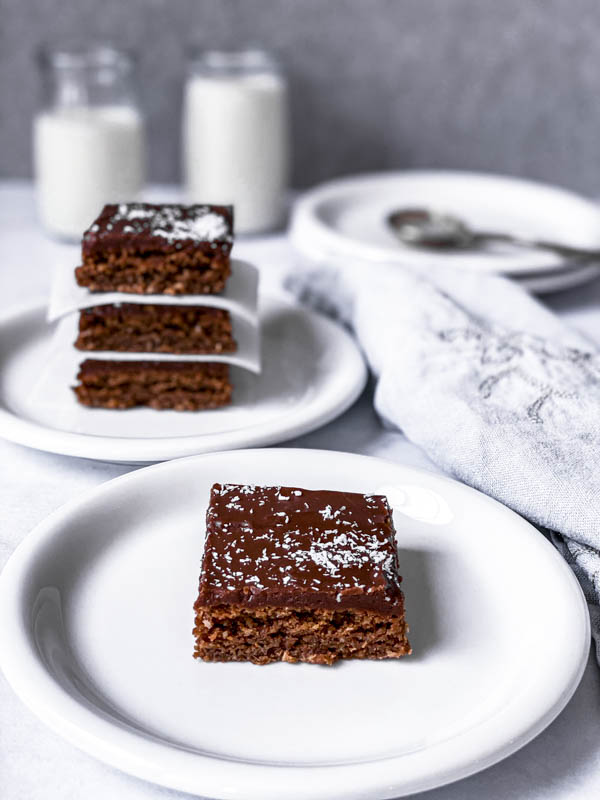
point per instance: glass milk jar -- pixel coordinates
(235, 136)
(88, 140)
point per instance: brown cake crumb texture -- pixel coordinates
(180, 386)
(135, 328)
(178, 273)
(266, 635)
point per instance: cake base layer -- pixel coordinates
(321, 636)
(179, 272)
(140, 328)
(180, 386)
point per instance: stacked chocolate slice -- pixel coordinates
(140, 249)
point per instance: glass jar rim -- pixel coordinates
(85, 55)
(233, 62)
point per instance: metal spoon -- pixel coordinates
(418, 227)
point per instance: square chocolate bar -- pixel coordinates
(158, 249)
(176, 385)
(144, 328)
(292, 574)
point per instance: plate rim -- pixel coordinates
(551, 282)
(306, 220)
(149, 450)
(178, 769)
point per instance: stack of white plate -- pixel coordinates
(348, 218)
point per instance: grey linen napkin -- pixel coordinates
(491, 385)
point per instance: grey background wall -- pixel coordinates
(503, 85)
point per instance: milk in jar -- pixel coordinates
(88, 140)
(235, 136)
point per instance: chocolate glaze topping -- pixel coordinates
(144, 227)
(298, 548)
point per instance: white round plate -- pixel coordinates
(95, 636)
(312, 372)
(559, 280)
(348, 217)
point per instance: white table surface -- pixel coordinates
(563, 762)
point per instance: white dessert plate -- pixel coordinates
(95, 636)
(560, 280)
(312, 372)
(348, 217)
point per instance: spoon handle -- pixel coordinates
(560, 249)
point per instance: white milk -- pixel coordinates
(235, 137)
(84, 158)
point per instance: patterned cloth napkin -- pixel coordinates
(491, 385)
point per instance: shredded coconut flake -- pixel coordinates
(200, 223)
